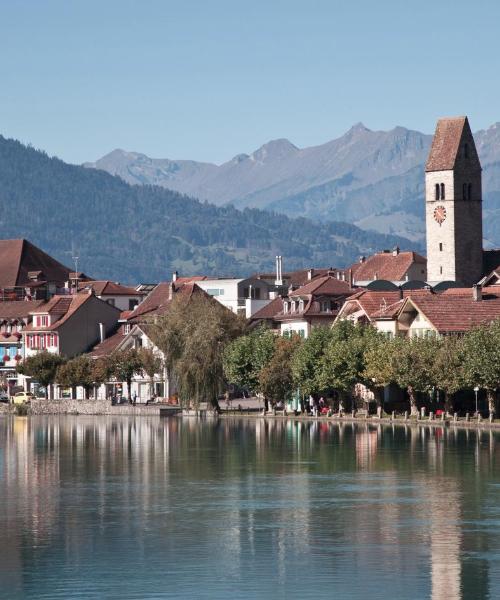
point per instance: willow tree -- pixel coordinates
(193, 336)
(481, 347)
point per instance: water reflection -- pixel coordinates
(96, 507)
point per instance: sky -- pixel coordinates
(209, 79)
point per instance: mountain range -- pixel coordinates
(373, 179)
(142, 233)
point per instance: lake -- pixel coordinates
(117, 507)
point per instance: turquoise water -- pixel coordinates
(108, 507)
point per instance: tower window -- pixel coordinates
(440, 246)
(466, 150)
(442, 192)
(469, 191)
(440, 270)
(437, 191)
(464, 191)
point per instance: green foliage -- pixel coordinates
(307, 362)
(481, 347)
(136, 233)
(42, 367)
(245, 357)
(343, 363)
(276, 378)
(77, 371)
(193, 337)
(123, 364)
(448, 367)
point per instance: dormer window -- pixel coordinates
(285, 307)
(301, 305)
(466, 150)
(126, 328)
(42, 321)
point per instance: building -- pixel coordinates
(69, 325)
(453, 205)
(314, 304)
(121, 296)
(242, 296)
(26, 272)
(14, 318)
(390, 265)
(362, 306)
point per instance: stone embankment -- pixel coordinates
(87, 407)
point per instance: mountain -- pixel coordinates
(374, 179)
(142, 233)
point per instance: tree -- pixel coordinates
(448, 368)
(380, 364)
(77, 371)
(193, 336)
(245, 357)
(123, 365)
(343, 363)
(152, 364)
(413, 366)
(307, 361)
(42, 367)
(481, 348)
(276, 378)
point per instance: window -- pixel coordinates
(111, 301)
(440, 246)
(301, 305)
(466, 150)
(469, 191)
(440, 270)
(126, 328)
(464, 191)
(220, 292)
(437, 191)
(285, 307)
(132, 304)
(42, 321)
(442, 192)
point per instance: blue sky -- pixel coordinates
(207, 79)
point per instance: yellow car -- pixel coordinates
(22, 397)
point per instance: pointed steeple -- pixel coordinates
(452, 141)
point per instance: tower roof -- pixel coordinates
(446, 143)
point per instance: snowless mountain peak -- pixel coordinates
(274, 149)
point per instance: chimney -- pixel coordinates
(102, 332)
(175, 274)
(351, 279)
(310, 274)
(279, 273)
(375, 275)
(477, 293)
(395, 251)
(171, 290)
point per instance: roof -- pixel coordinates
(446, 143)
(63, 307)
(18, 309)
(158, 301)
(387, 265)
(110, 344)
(269, 310)
(109, 288)
(371, 302)
(323, 285)
(455, 310)
(18, 258)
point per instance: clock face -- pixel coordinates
(439, 214)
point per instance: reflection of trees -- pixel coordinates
(313, 497)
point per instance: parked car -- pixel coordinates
(4, 397)
(22, 397)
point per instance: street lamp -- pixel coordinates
(476, 390)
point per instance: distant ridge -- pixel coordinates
(370, 178)
(142, 233)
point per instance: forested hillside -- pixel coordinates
(141, 233)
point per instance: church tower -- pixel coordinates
(453, 205)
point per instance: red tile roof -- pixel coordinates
(387, 265)
(446, 143)
(269, 310)
(110, 344)
(18, 309)
(20, 257)
(323, 285)
(372, 302)
(62, 306)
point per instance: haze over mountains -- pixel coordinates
(374, 179)
(142, 233)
